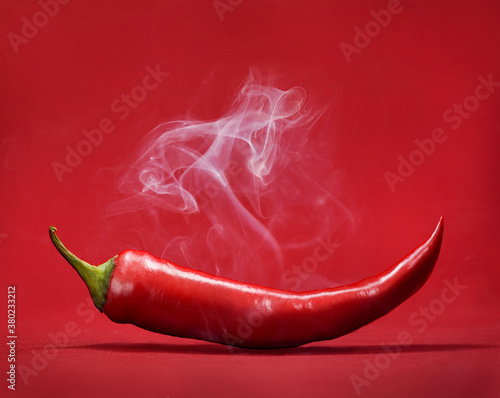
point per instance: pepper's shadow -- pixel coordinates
(215, 349)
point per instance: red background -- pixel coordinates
(394, 91)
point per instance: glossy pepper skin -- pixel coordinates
(160, 296)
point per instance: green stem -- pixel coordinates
(95, 277)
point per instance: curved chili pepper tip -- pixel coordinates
(440, 225)
(95, 277)
(437, 235)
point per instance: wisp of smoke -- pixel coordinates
(241, 179)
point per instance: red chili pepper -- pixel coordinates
(154, 294)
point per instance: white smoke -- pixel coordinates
(244, 183)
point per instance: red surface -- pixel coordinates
(397, 89)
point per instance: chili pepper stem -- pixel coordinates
(95, 277)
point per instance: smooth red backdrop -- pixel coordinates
(393, 91)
